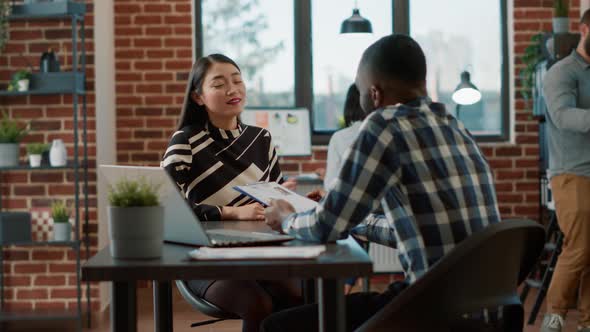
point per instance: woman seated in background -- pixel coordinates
(209, 154)
(343, 138)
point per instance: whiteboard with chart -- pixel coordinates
(290, 128)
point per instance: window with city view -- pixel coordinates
(454, 42)
(336, 56)
(258, 36)
(282, 69)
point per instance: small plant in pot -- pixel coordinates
(561, 21)
(136, 220)
(35, 151)
(20, 81)
(11, 133)
(62, 229)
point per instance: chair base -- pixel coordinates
(207, 322)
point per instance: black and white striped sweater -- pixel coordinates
(208, 162)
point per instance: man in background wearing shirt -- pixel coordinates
(567, 92)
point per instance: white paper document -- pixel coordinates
(237, 253)
(264, 192)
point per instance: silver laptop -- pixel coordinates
(181, 225)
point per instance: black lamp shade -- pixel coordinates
(356, 24)
(466, 92)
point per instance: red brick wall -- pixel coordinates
(44, 277)
(151, 74)
(153, 54)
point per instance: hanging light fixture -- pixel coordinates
(466, 93)
(356, 23)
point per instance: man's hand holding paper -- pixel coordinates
(276, 212)
(264, 192)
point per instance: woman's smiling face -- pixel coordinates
(223, 92)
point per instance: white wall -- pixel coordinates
(104, 72)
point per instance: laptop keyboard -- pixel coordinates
(220, 239)
(225, 238)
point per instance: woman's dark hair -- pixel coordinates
(352, 107)
(193, 113)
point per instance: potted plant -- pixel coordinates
(136, 220)
(35, 151)
(62, 229)
(11, 133)
(561, 21)
(20, 81)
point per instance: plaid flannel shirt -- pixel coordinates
(426, 170)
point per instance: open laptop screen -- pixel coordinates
(290, 128)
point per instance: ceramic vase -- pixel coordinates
(58, 156)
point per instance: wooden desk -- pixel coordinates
(341, 260)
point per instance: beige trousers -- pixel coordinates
(572, 272)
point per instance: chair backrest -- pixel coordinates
(481, 272)
(203, 305)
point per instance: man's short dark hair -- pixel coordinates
(586, 18)
(396, 57)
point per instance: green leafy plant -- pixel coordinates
(59, 212)
(10, 129)
(561, 8)
(22, 74)
(532, 56)
(37, 148)
(4, 12)
(129, 193)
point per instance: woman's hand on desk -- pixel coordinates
(254, 211)
(276, 212)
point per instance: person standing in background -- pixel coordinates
(567, 92)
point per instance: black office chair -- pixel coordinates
(203, 306)
(481, 272)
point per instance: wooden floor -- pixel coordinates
(184, 315)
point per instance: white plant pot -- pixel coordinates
(35, 160)
(62, 231)
(136, 232)
(22, 85)
(561, 24)
(8, 154)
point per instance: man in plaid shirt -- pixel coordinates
(412, 157)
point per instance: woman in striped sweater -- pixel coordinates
(209, 154)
